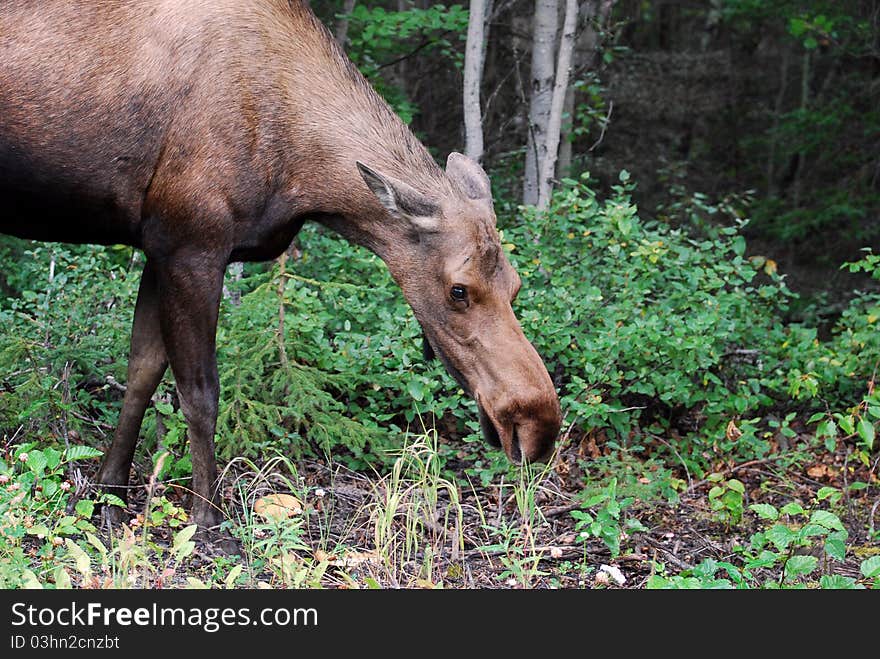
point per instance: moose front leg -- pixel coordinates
(146, 365)
(190, 286)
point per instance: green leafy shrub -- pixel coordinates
(644, 324)
(34, 491)
(799, 547)
(63, 331)
(648, 329)
(600, 517)
(379, 37)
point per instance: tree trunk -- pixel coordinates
(543, 49)
(592, 19)
(563, 166)
(473, 75)
(488, 16)
(805, 101)
(341, 32)
(547, 165)
(774, 131)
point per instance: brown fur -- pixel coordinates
(209, 131)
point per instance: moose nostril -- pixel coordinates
(515, 448)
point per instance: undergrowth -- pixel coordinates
(663, 345)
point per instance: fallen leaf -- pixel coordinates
(321, 556)
(588, 447)
(732, 433)
(567, 538)
(820, 471)
(277, 507)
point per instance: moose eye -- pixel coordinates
(458, 293)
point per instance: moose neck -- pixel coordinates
(338, 193)
(341, 121)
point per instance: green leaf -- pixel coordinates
(764, 511)
(416, 390)
(838, 582)
(781, 536)
(50, 487)
(826, 428)
(229, 581)
(847, 423)
(739, 245)
(871, 567)
(182, 540)
(797, 26)
(736, 485)
(809, 530)
(792, 508)
(62, 579)
(835, 546)
(112, 500)
(83, 564)
(97, 544)
(798, 565)
(764, 559)
(53, 457)
(866, 431)
(85, 508)
(826, 519)
(826, 492)
(80, 452)
(38, 530)
(36, 462)
(29, 581)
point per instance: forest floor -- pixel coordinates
(327, 526)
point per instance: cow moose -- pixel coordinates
(205, 132)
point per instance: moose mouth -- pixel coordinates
(490, 431)
(489, 425)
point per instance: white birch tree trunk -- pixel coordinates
(473, 75)
(546, 23)
(547, 164)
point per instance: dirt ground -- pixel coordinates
(493, 546)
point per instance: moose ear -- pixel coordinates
(402, 200)
(468, 176)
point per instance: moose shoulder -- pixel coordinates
(206, 133)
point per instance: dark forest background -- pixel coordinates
(770, 110)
